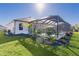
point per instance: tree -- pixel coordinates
(76, 27)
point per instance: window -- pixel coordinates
(20, 26)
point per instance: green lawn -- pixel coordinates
(24, 46)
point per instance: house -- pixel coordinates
(19, 26)
(52, 24)
(2, 28)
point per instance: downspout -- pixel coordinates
(14, 26)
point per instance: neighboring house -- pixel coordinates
(19, 26)
(2, 28)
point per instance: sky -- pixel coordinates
(8, 11)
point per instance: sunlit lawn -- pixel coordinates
(24, 46)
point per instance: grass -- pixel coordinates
(25, 46)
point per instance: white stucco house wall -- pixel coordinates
(19, 26)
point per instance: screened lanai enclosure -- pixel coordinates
(52, 25)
